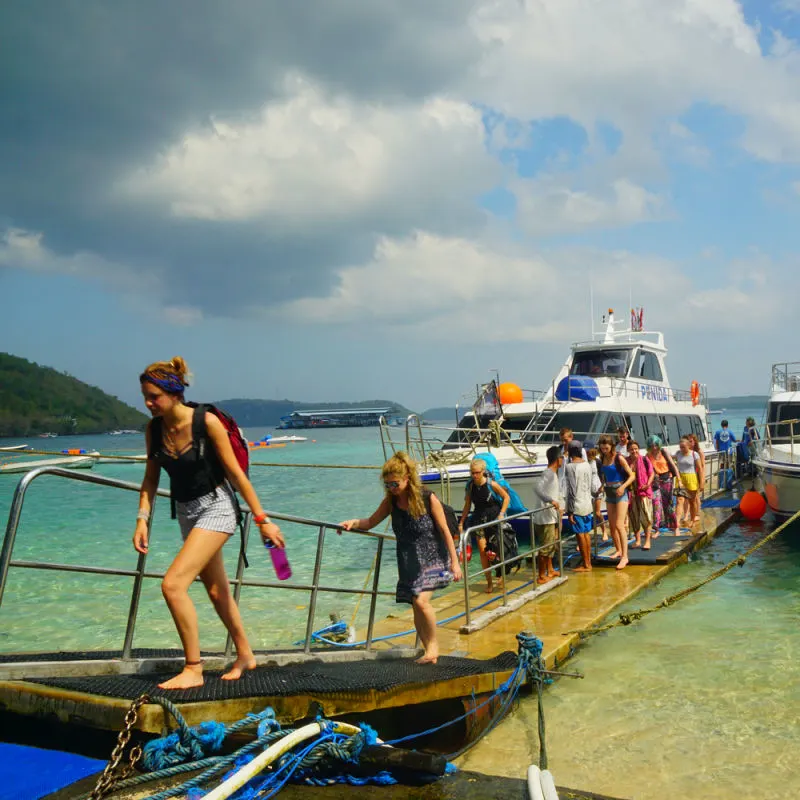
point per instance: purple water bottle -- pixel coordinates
(279, 560)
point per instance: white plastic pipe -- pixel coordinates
(548, 785)
(534, 783)
(273, 752)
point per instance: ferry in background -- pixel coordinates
(616, 379)
(777, 456)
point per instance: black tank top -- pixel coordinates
(191, 475)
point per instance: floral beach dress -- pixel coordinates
(423, 560)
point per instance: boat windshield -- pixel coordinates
(604, 362)
(788, 414)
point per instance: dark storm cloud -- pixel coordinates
(90, 88)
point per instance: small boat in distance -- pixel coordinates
(68, 462)
(14, 448)
(777, 457)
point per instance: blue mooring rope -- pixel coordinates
(191, 748)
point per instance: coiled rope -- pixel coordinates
(191, 748)
(630, 617)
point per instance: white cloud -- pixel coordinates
(460, 290)
(636, 63)
(316, 156)
(550, 207)
(23, 249)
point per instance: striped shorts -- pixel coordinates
(215, 511)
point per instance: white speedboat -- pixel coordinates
(68, 462)
(777, 457)
(13, 448)
(617, 379)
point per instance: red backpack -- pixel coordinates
(235, 435)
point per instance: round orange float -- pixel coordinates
(509, 393)
(752, 505)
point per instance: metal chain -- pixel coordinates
(113, 773)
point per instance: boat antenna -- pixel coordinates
(591, 304)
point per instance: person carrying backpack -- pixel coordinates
(491, 502)
(201, 474)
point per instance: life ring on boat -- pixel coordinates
(695, 390)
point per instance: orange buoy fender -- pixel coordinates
(695, 393)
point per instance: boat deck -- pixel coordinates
(472, 664)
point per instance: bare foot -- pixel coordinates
(616, 554)
(428, 658)
(542, 579)
(489, 589)
(240, 666)
(582, 569)
(622, 564)
(656, 534)
(634, 546)
(191, 676)
(554, 574)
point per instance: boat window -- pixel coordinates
(784, 412)
(685, 425)
(635, 424)
(647, 366)
(671, 433)
(601, 363)
(516, 423)
(581, 424)
(697, 428)
(654, 426)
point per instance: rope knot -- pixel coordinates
(184, 745)
(626, 619)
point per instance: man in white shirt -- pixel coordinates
(580, 504)
(623, 440)
(547, 516)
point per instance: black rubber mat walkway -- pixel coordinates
(293, 679)
(665, 548)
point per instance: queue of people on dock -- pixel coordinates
(646, 489)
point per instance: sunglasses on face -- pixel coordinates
(391, 484)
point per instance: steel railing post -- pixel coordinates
(136, 591)
(373, 600)
(240, 566)
(312, 605)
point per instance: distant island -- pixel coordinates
(36, 400)
(738, 401)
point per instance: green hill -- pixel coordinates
(35, 399)
(258, 413)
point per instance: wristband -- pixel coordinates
(261, 519)
(145, 515)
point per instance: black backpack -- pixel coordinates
(449, 513)
(510, 546)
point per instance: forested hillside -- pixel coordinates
(35, 399)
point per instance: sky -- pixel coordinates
(360, 199)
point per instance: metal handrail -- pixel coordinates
(140, 573)
(532, 551)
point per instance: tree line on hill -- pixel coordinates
(36, 399)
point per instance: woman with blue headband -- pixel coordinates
(200, 484)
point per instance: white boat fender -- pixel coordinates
(548, 785)
(534, 783)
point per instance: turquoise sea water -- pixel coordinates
(697, 701)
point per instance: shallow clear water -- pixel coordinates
(69, 522)
(700, 700)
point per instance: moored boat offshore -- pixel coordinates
(777, 453)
